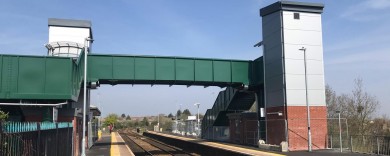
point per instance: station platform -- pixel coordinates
(248, 150)
(110, 145)
(225, 146)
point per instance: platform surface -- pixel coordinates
(226, 146)
(110, 145)
(255, 151)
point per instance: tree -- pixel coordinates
(145, 121)
(123, 116)
(111, 119)
(186, 112)
(128, 117)
(3, 116)
(331, 101)
(362, 107)
(357, 107)
(170, 115)
(178, 113)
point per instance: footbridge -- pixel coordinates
(44, 78)
(282, 87)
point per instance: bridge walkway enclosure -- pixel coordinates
(46, 78)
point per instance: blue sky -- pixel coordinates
(356, 41)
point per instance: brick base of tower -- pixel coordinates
(297, 133)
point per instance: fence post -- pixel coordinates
(57, 144)
(67, 140)
(39, 138)
(351, 144)
(377, 144)
(331, 142)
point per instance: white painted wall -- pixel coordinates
(67, 34)
(284, 62)
(77, 35)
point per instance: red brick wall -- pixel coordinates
(297, 126)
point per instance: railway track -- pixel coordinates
(142, 146)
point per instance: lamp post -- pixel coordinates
(87, 40)
(198, 120)
(341, 142)
(307, 102)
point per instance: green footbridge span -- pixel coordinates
(45, 79)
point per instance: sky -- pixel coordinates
(356, 42)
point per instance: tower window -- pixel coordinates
(296, 16)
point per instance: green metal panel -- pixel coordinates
(58, 81)
(1, 73)
(31, 77)
(185, 70)
(36, 77)
(13, 77)
(165, 69)
(204, 70)
(100, 67)
(4, 77)
(123, 68)
(145, 68)
(240, 71)
(222, 72)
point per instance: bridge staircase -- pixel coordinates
(228, 101)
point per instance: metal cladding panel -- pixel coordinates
(123, 68)
(312, 53)
(312, 21)
(1, 73)
(51, 78)
(8, 82)
(58, 74)
(240, 72)
(204, 70)
(275, 98)
(168, 70)
(31, 77)
(222, 72)
(257, 74)
(315, 67)
(100, 67)
(145, 68)
(185, 69)
(32, 73)
(165, 69)
(77, 76)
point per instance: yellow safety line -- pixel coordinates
(131, 152)
(242, 150)
(114, 150)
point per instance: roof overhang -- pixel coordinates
(95, 110)
(292, 6)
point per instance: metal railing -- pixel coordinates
(370, 144)
(34, 138)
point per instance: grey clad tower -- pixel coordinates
(287, 28)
